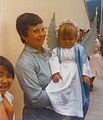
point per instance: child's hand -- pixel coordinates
(56, 77)
(86, 79)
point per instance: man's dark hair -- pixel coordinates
(25, 20)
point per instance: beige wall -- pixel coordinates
(10, 45)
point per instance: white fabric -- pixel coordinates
(86, 69)
(10, 98)
(66, 95)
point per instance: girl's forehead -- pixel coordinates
(3, 68)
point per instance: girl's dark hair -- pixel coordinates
(25, 20)
(8, 65)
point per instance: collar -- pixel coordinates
(30, 49)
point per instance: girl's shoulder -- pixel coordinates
(9, 96)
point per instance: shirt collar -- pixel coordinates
(30, 49)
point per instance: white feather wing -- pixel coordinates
(52, 40)
(89, 40)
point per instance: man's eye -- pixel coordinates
(36, 31)
(39, 30)
(44, 28)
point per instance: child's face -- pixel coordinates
(68, 43)
(5, 79)
(67, 35)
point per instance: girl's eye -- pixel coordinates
(9, 76)
(1, 74)
(6, 75)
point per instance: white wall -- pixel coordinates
(10, 44)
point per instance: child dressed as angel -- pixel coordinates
(69, 64)
(96, 63)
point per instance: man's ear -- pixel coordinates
(24, 38)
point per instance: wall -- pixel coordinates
(10, 44)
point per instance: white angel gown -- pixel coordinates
(66, 95)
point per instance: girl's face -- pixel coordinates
(68, 43)
(5, 80)
(67, 35)
(36, 36)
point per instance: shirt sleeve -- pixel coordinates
(86, 68)
(35, 95)
(54, 62)
(86, 65)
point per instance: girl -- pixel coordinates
(68, 64)
(96, 63)
(6, 79)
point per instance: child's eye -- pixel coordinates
(1, 74)
(6, 75)
(9, 76)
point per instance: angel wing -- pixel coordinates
(89, 39)
(52, 40)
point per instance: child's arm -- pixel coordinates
(3, 114)
(86, 72)
(9, 108)
(54, 62)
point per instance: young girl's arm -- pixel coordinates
(54, 62)
(3, 114)
(9, 108)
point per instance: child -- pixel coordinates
(96, 63)
(68, 64)
(6, 79)
(82, 33)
